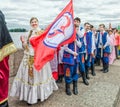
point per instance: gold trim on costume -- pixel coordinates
(3, 100)
(7, 50)
(30, 65)
(35, 84)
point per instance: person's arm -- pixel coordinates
(96, 39)
(69, 50)
(93, 44)
(78, 43)
(107, 42)
(80, 33)
(24, 41)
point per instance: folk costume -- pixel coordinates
(29, 84)
(6, 48)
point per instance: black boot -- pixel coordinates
(105, 68)
(108, 67)
(75, 90)
(87, 72)
(68, 92)
(84, 78)
(29, 104)
(97, 61)
(60, 79)
(5, 104)
(93, 70)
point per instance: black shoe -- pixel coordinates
(29, 104)
(84, 78)
(5, 104)
(75, 90)
(60, 79)
(68, 91)
(38, 99)
(106, 69)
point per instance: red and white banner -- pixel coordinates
(60, 32)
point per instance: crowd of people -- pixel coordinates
(72, 61)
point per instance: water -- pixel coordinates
(16, 38)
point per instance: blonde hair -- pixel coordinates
(33, 19)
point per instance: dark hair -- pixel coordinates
(102, 25)
(86, 23)
(91, 26)
(110, 30)
(78, 19)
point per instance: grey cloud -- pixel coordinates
(18, 12)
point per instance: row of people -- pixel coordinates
(31, 85)
(79, 56)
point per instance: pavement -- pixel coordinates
(103, 91)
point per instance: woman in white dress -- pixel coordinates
(29, 84)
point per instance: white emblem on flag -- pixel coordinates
(61, 30)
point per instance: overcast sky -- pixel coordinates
(18, 12)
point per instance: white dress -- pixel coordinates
(32, 86)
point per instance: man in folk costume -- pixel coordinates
(93, 50)
(70, 61)
(89, 49)
(80, 34)
(98, 49)
(6, 48)
(103, 43)
(60, 64)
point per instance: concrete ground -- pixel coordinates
(103, 91)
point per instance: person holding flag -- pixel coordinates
(70, 61)
(32, 85)
(57, 34)
(6, 48)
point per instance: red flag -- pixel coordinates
(60, 32)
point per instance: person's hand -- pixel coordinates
(75, 54)
(22, 39)
(25, 46)
(75, 40)
(77, 29)
(93, 55)
(103, 47)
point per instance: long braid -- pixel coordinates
(29, 36)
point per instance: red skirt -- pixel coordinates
(4, 79)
